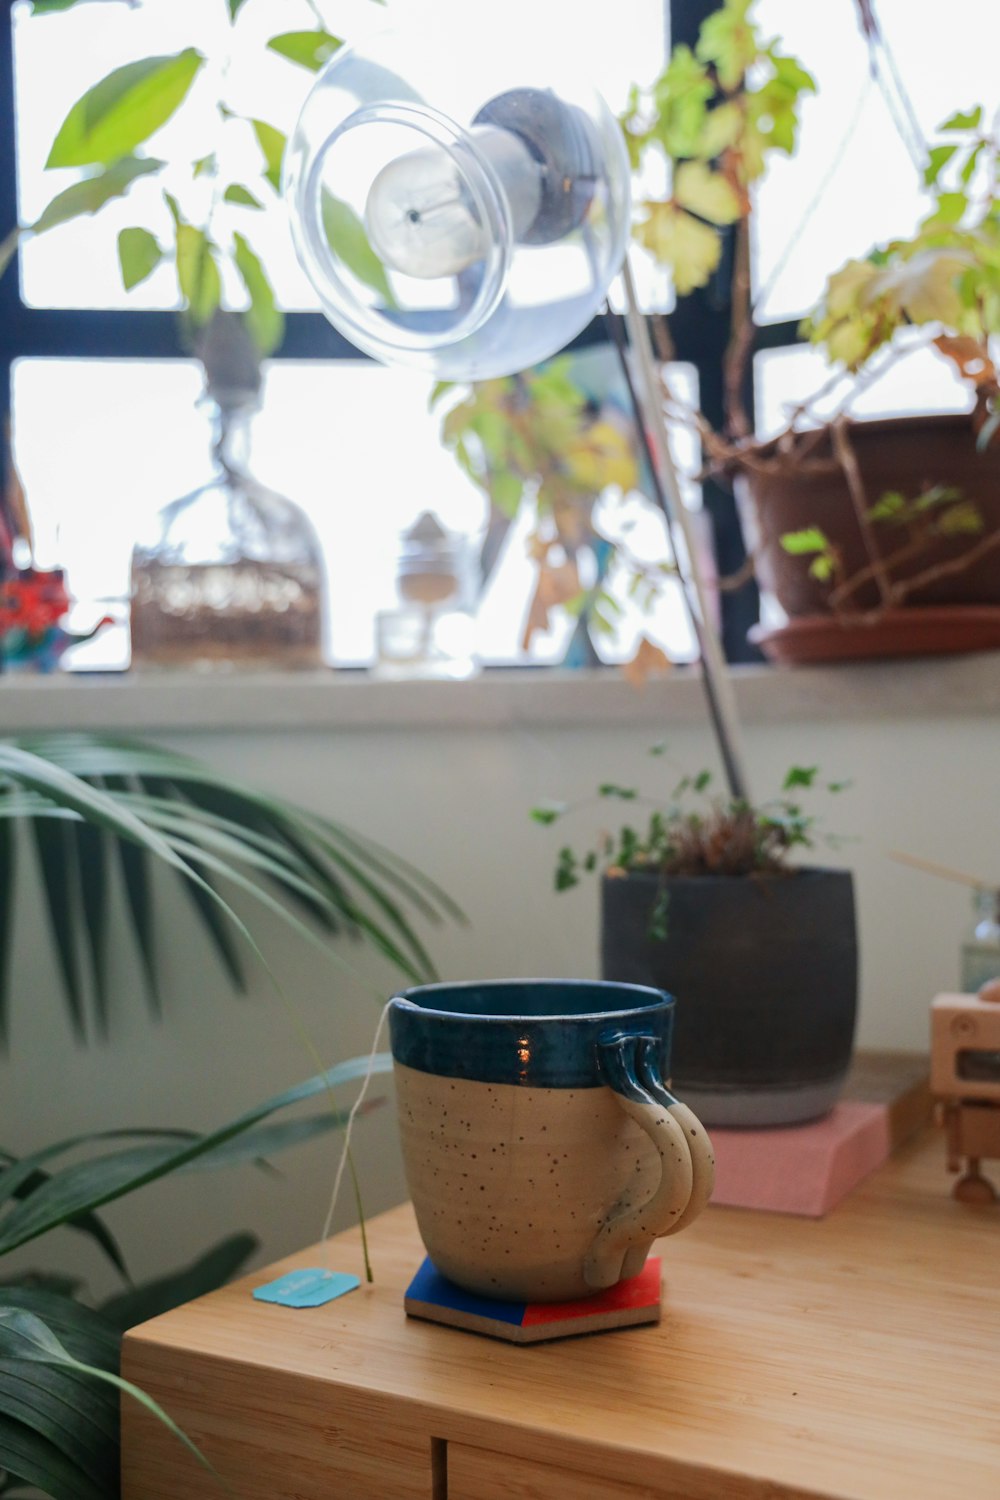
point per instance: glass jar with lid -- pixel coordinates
(432, 631)
(232, 574)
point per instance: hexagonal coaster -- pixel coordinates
(626, 1305)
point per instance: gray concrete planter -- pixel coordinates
(765, 972)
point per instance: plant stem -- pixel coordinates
(369, 1275)
(847, 459)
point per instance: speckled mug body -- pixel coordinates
(511, 1185)
(517, 1152)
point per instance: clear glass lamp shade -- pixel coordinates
(454, 210)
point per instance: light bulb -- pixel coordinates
(467, 219)
(421, 217)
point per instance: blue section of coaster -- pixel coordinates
(430, 1286)
(306, 1288)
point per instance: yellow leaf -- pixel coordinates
(721, 130)
(603, 456)
(925, 287)
(648, 661)
(556, 585)
(706, 193)
(691, 249)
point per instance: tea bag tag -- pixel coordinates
(306, 1288)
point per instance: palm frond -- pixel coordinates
(85, 1186)
(85, 795)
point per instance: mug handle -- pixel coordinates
(631, 1066)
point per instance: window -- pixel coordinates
(103, 397)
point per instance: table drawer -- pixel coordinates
(477, 1474)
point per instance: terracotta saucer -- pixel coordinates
(934, 630)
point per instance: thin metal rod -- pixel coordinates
(645, 395)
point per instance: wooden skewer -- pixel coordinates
(931, 867)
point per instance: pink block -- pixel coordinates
(801, 1169)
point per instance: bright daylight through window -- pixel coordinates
(564, 558)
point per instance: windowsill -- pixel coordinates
(927, 688)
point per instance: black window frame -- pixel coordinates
(699, 327)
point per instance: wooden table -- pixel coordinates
(856, 1357)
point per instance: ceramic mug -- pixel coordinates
(543, 1152)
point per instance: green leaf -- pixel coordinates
(88, 1185)
(566, 876)
(65, 1408)
(346, 237)
(91, 863)
(949, 209)
(264, 319)
(218, 930)
(8, 870)
(809, 539)
(272, 143)
(728, 40)
(86, 1223)
(506, 490)
(209, 1271)
(198, 273)
(27, 1337)
(439, 389)
(310, 49)
(41, 1464)
(205, 165)
(969, 167)
(8, 247)
(937, 159)
(235, 6)
(124, 109)
(50, 7)
(964, 120)
(548, 813)
(237, 193)
(887, 506)
(800, 776)
(90, 195)
(54, 847)
(135, 877)
(623, 793)
(139, 254)
(821, 568)
(259, 1145)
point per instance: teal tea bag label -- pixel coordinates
(306, 1288)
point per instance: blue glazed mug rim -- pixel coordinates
(647, 999)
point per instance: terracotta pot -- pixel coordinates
(764, 970)
(908, 454)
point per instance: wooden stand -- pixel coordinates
(855, 1357)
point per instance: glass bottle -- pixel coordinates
(981, 949)
(431, 634)
(232, 576)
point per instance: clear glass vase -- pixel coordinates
(232, 576)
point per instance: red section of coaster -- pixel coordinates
(801, 1169)
(639, 1291)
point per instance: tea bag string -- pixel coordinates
(349, 1128)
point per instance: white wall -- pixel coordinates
(454, 799)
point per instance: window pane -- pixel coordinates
(852, 183)
(354, 445)
(58, 56)
(922, 381)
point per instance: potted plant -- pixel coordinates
(702, 900)
(882, 534)
(894, 525)
(89, 804)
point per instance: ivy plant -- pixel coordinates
(109, 136)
